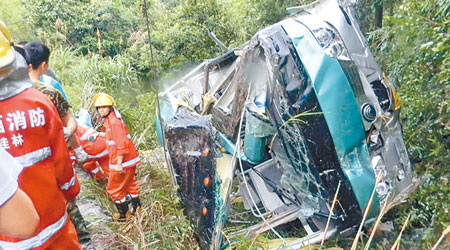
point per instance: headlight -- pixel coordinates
(383, 188)
(330, 41)
(378, 166)
(327, 36)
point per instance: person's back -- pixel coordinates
(31, 131)
(50, 81)
(97, 150)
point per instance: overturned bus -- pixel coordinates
(296, 116)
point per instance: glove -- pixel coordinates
(81, 155)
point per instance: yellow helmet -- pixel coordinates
(102, 99)
(6, 52)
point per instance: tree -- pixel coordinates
(102, 27)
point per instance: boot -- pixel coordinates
(123, 214)
(135, 205)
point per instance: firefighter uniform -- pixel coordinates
(34, 136)
(32, 132)
(96, 150)
(119, 143)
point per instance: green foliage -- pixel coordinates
(11, 12)
(418, 61)
(90, 26)
(367, 10)
(102, 45)
(144, 120)
(260, 14)
(179, 30)
(179, 35)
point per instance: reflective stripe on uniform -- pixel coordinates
(110, 143)
(28, 160)
(127, 163)
(121, 201)
(68, 184)
(95, 170)
(39, 239)
(86, 134)
(105, 152)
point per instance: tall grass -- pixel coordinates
(84, 76)
(160, 224)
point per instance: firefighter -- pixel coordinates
(123, 157)
(32, 132)
(96, 149)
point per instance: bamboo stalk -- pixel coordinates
(446, 231)
(377, 223)
(333, 204)
(396, 245)
(366, 213)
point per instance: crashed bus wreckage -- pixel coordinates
(296, 115)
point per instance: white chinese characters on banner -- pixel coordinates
(17, 121)
(2, 128)
(37, 117)
(4, 143)
(17, 140)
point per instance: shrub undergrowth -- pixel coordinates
(105, 49)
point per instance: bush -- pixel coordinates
(418, 61)
(100, 27)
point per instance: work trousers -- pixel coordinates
(120, 185)
(91, 167)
